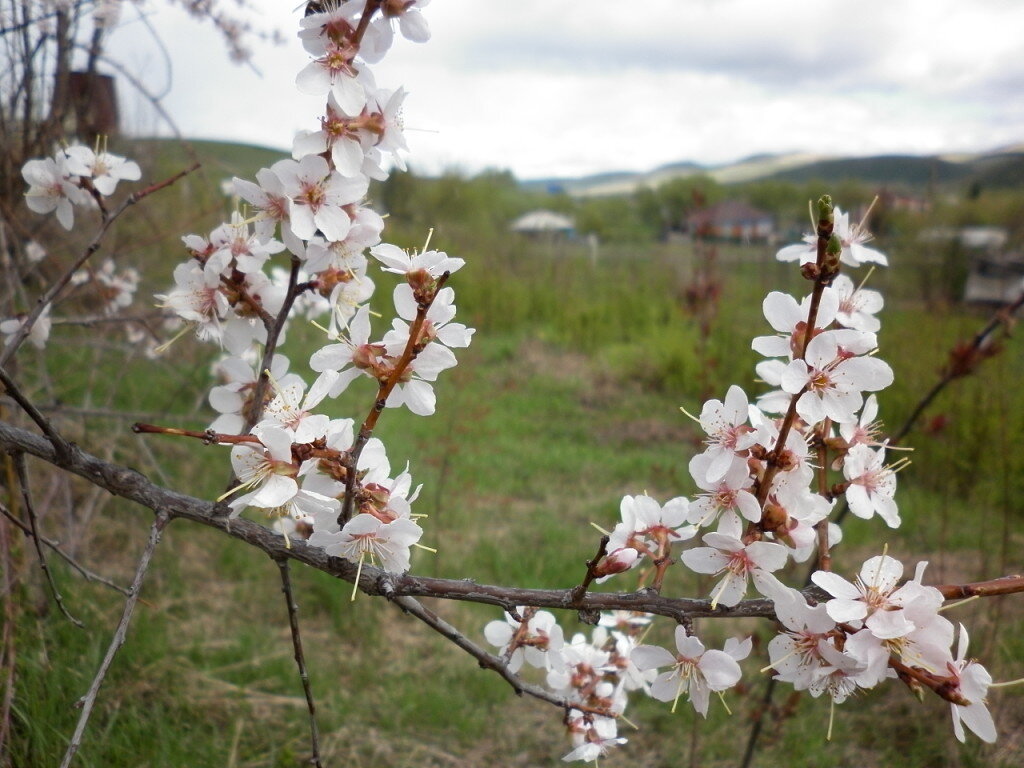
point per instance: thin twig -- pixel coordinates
(581, 590)
(489, 660)
(26, 497)
(300, 659)
(412, 348)
(259, 395)
(89, 700)
(87, 574)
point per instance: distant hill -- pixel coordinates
(1001, 168)
(219, 159)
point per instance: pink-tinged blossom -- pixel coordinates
(434, 263)
(249, 252)
(317, 197)
(103, 169)
(649, 527)
(38, 335)
(335, 72)
(838, 674)
(366, 537)
(833, 375)
(340, 134)
(616, 561)
(291, 412)
(871, 485)
(347, 254)
(414, 389)
(789, 318)
(727, 496)
(729, 436)
(866, 430)
(198, 299)
(437, 325)
(857, 306)
(726, 553)
(874, 599)
(337, 22)
(852, 237)
(265, 469)
(540, 645)
(234, 395)
(270, 202)
(795, 654)
(971, 680)
(693, 669)
(925, 647)
(52, 189)
(412, 24)
(351, 357)
(592, 736)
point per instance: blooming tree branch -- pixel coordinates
(335, 504)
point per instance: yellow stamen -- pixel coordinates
(359, 571)
(629, 722)
(958, 603)
(689, 415)
(867, 213)
(718, 593)
(1007, 684)
(230, 491)
(870, 271)
(679, 693)
(721, 695)
(167, 344)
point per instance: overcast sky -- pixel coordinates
(572, 88)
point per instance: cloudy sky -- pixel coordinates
(572, 88)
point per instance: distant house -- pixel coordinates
(996, 277)
(731, 220)
(544, 223)
(93, 101)
(995, 273)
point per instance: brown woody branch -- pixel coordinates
(132, 485)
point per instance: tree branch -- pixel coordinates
(132, 485)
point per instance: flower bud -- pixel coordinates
(618, 561)
(826, 210)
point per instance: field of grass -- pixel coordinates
(567, 400)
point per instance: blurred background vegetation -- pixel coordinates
(568, 399)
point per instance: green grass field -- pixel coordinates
(567, 400)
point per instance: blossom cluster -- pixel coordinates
(310, 472)
(764, 496)
(317, 476)
(302, 248)
(74, 176)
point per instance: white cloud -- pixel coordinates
(565, 89)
